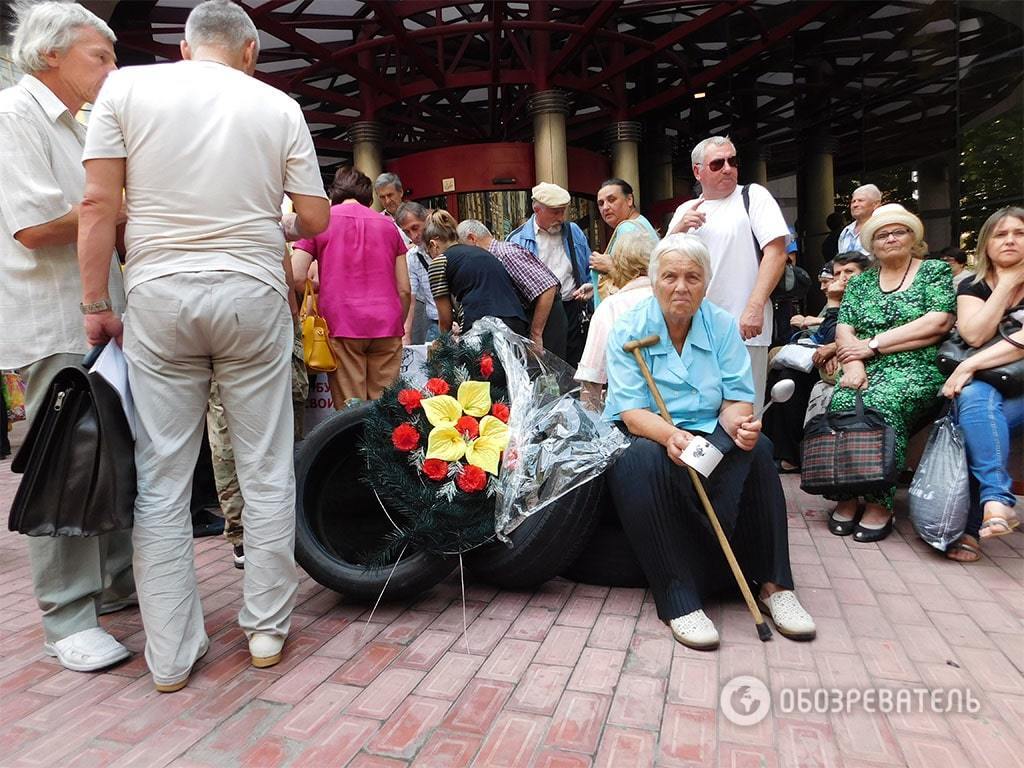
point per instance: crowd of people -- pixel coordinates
(207, 297)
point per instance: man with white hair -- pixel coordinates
(204, 153)
(390, 192)
(536, 285)
(746, 235)
(563, 248)
(863, 202)
(66, 53)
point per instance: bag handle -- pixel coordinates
(309, 299)
(860, 404)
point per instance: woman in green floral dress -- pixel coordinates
(890, 322)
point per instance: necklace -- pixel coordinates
(902, 279)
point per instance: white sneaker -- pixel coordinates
(87, 651)
(789, 616)
(266, 650)
(695, 630)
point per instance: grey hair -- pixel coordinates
(411, 209)
(689, 246)
(220, 23)
(387, 180)
(49, 27)
(869, 190)
(697, 156)
(473, 227)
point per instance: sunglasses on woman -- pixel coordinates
(719, 163)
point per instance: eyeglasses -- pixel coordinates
(719, 163)
(881, 237)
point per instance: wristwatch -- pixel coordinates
(873, 345)
(103, 305)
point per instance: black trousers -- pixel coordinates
(5, 444)
(784, 422)
(556, 329)
(672, 537)
(577, 314)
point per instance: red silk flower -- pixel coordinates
(410, 398)
(469, 427)
(437, 386)
(471, 479)
(435, 469)
(405, 437)
(486, 365)
(500, 411)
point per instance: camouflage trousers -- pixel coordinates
(229, 495)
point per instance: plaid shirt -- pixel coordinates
(529, 275)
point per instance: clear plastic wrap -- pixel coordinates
(555, 444)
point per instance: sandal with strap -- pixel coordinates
(966, 549)
(998, 525)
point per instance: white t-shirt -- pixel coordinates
(210, 154)
(727, 234)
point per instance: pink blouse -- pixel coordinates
(356, 256)
(592, 366)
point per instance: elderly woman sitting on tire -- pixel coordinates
(702, 368)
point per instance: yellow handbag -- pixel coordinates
(316, 347)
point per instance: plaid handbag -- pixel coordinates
(847, 453)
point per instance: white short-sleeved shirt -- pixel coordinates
(41, 178)
(210, 154)
(727, 234)
(419, 280)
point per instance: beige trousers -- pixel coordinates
(180, 331)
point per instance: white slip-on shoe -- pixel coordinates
(177, 685)
(87, 651)
(266, 650)
(789, 616)
(695, 630)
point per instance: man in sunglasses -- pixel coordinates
(746, 235)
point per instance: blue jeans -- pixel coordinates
(987, 419)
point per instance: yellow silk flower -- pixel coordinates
(446, 443)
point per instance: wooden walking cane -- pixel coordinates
(763, 630)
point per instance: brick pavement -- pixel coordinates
(566, 676)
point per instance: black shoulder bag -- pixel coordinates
(1007, 378)
(794, 281)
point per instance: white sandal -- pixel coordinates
(87, 651)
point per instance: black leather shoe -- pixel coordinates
(864, 535)
(844, 527)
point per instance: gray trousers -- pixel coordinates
(180, 331)
(72, 576)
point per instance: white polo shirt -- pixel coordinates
(41, 178)
(210, 154)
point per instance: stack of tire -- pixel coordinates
(340, 521)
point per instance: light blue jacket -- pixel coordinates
(526, 236)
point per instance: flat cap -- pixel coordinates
(551, 195)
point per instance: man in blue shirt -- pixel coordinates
(563, 248)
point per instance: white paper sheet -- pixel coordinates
(112, 366)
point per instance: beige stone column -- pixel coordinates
(549, 109)
(934, 202)
(367, 137)
(624, 140)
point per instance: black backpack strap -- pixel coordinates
(745, 194)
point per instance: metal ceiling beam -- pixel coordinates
(807, 14)
(601, 13)
(385, 11)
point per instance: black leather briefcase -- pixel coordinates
(77, 461)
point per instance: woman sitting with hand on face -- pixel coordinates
(987, 415)
(702, 368)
